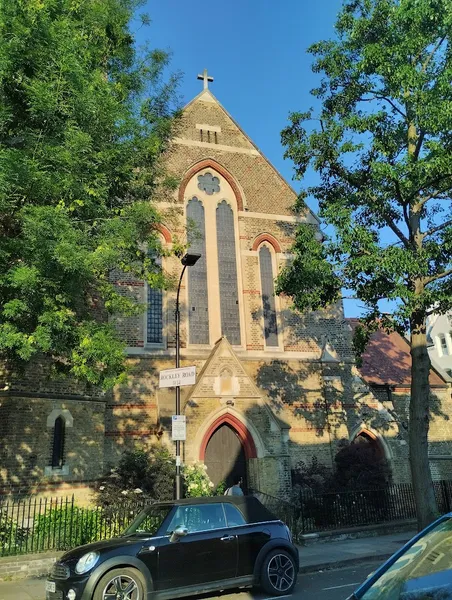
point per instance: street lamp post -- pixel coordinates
(188, 261)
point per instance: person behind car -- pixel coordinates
(236, 487)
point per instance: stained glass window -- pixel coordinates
(227, 268)
(268, 297)
(198, 305)
(155, 314)
(209, 183)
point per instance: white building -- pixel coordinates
(439, 337)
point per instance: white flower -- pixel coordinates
(138, 491)
(124, 492)
(102, 487)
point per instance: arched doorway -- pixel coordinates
(225, 456)
(370, 441)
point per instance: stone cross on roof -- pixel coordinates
(206, 79)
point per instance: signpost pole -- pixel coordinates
(188, 261)
(178, 475)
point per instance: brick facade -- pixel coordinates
(296, 400)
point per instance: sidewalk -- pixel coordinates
(315, 557)
(331, 555)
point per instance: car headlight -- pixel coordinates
(87, 562)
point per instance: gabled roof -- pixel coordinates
(213, 367)
(387, 360)
(206, 95)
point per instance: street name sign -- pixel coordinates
(174, 377)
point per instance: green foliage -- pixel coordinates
(312, 475)
(360, 466)
(65, 528)
(12, 536)
(220, 489)
(382, 147)
(139, 477)
(84, 120)
(196, 481)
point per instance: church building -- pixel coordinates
(273, 387)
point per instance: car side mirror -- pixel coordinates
(178, 533)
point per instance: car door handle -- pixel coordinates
(228, 538)
(148, 549)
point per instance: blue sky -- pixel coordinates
(256, 52)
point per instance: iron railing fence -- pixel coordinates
(311, 511)
(29, 525)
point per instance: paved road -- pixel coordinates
(323, 585)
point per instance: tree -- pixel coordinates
(382, 146)
(84, 120)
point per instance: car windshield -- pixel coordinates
(148, 521)
(423, 572)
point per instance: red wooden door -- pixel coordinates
(225, 457)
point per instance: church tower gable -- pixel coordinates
(207, 131)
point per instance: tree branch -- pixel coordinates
(389, 101)
(419, 144)
(433, 278)
(432, 182)
(434, 196)
(399, 233)
(432, 54)
(438, 228)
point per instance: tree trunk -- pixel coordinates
(426, 507)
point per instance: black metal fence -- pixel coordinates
(311, 512)
(38, 525)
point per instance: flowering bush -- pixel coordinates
(197, 482)
(140, 477)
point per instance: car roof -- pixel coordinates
(253, 510)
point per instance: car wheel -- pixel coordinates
(126, 584)
(278, 575)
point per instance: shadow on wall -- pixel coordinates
(324, 401)
(27, 441)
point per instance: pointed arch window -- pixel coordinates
(227, 268)
(59, 434)
(154, 319)
(268, 297)
(198, 300)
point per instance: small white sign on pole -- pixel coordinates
(179, 428)
(174, 377)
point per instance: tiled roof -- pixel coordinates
(387, 360)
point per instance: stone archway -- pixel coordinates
(364, 436)
(225, 449)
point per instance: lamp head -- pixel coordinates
(188, 260)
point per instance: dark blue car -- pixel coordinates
(421, 570)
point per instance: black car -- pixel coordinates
(179, 548)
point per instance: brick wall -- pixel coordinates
(26, 445)
(24, 567)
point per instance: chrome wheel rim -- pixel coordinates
(121, 587)
(281, 572)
